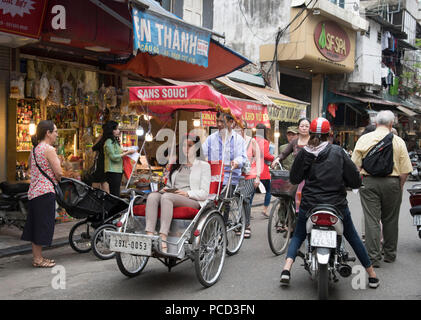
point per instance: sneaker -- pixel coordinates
(373, 283)
(285, 277)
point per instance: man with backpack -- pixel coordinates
(384, 163)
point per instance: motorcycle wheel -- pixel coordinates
(323, 282)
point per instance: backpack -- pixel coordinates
(379, 160)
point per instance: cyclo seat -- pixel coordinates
(186, 213)
(325, 207)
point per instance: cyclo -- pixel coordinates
(197, 235)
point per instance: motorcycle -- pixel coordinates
(13, 204)
(415, 200)
(416, 166)
(326, 255)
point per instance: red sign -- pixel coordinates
(252, 113)
(332, 41)
(22, 17)
(208, 119)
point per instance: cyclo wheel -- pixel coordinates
(236, 226)
(209, 258)
(279, 226)
(323, 282)
(80, 237)
(131, 265)
(100, 246)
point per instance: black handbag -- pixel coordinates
(57, 189)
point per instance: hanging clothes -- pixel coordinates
(394, 90)
(385, 40)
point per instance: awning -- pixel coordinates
(287, 111)
(366, 99)
(169, 47)
(263, 95)
(280, 107)
(407, 111)
(221, 61)
(164, 100)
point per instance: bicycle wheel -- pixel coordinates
(210, 256)
(100, 245)
(279, 226)
(236, 226)
(80, 237)
(131, 265)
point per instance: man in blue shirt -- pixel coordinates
(228, 146)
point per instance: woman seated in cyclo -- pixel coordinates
(327, 171)
(187, 186)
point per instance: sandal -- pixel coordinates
(50, 260)
(44, 263)
(265, 215)
(247, 233)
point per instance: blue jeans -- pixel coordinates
(351, 235)
(266, 183)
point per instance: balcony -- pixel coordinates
(337, 10)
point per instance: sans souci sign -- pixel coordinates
(176, 40)
(332, 41)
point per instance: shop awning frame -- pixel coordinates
(407, 111)
(263, 95)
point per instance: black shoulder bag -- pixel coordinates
(57, 189)
(379, 160)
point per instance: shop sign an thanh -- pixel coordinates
(176, 40)
(22, 17)
(332, 41)
(286, 111)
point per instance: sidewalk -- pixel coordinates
(10, 243)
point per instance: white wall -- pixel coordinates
(367, 58)
(258, 26)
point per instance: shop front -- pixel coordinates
(322, 42)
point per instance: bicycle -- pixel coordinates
(235, 219)
(282, 216)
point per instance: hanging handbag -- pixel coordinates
(57, 189)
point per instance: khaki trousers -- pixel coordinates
(167, 202)
(381, 200)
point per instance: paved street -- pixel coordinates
(251, 274)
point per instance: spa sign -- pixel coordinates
(332, 41)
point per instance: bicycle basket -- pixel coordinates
(280, 185)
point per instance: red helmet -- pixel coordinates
(320, 125)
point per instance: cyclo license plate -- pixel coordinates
(323, 238)
(417, 220)
(136, 244)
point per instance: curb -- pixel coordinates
(57, 243)
(27, 248)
